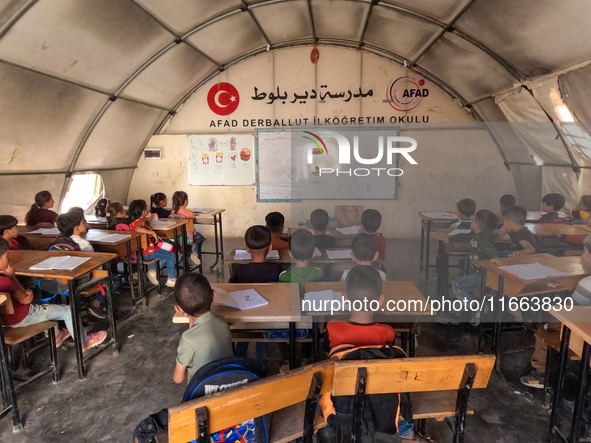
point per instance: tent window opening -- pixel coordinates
(84, 191)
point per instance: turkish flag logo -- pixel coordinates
(223, 98)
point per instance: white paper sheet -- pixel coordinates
(352, 230)
(242, 300)
(202, 210)
(161, 223)
(321, 299)
(241, 254)
(459, 231)
(105, 237)
(63, 262)
(532, 271)
(46, 231)
(340, 254)
(445, 215)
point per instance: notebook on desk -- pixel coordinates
(241, 300)
(62, 263)
(531, 271)
(241, 254)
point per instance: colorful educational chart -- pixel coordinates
(221, 159)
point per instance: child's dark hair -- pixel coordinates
(40, 199)
(257, 237)
(275, 221)
(68, 221)
(112, 210)
(178, 199)
(155, 200)
(364, 247)
(516, 214)
(466, 206)
(193, 293)
(586, 200)
(7, 222)
(363, 282)
(487, 220)
(371, 220)
(319, 219)
(302, 244)
(136, 208)
(4, 247)
(555, 200)
(508, 200)
(100, 209)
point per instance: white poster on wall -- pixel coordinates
(221, 159)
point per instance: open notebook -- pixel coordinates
(105, 237)
(338, 254)
(241, 254)
(319, 301)
(246, 299)
(531, 271)
(63, 263)
(46, 231)
(351, 230)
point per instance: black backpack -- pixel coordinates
(381, 411)
(216, 376)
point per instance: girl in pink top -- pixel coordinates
(180, 200)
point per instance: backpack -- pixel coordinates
(216, 376)
(381, 411)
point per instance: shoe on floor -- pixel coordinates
(417, 438)
(97, 311)
(61, 337)
(94, 339)
(195, 259)
(153, 277)
(171, 282)
(534, 379)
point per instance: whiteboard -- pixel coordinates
(282, 173)
(221, 159)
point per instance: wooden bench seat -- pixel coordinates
(14, 336)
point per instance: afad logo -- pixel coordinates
(223, 98)
(388, 148)
(405, 93)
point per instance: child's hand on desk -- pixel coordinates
(519, 254)
(497, 261)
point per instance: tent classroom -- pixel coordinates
(259, 106)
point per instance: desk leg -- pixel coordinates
(177, 260)
(315, 339)
(130, 275)
(562, 360)
(140, 270)
(217, 246)
(77, 322)
(497, 326)
(9, 385)
(221, 238)
(292, 345)
(574, 431)
(112, 327)
(186, 248)
(481, 326)
(428, 239)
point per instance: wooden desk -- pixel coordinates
(447, 249)
(534, 216)
(23, 260)
(426, 222)
(554, 229)
(172, 232)
(576, 327)
(214, 217)
(95, 222)
(9, 405)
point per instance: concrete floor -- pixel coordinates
(120, 391)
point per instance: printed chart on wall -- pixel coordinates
(295, 164)
(221, 159)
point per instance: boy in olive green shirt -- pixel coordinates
(208, 337)
(301, 249)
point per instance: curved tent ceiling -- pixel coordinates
(85, 83)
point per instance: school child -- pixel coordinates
(582, 211)
(363, 283)
(523, 241)
(138, 212)
(259, 270)
(482, 247)
(208, 337)
(80, 238)
(158, 202)
(301, 249)
(27, 314)
(9, 231)
(551, 204)
(466, 209)
(364, 252)
(581, 296)
(319, 222)
(180, 201)
(275, 221)
(506, 201)
(100, 209)
(40, 211)
(371, 221)
(116, 215)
